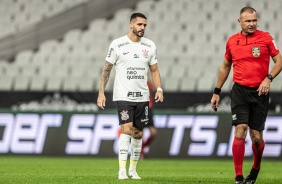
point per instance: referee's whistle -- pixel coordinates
(215, 109)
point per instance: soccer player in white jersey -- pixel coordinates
(133, 55)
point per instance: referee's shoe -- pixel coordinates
(239, 179)
(251, 178)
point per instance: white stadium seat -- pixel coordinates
(171, 84)
(21, 83)
(38, 83)
(6, 83)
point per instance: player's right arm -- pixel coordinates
(222, 76)
(101, 101)
(110, 61)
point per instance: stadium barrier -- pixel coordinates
(86, 101)
(180, 135)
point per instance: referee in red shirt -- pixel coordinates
(249, 52)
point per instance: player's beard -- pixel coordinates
(139, 34)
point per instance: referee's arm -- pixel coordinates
(223, 73)
(222, 76)
(278, 65)
(265, 85)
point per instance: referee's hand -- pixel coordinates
(101, 101)
(264, 87)
(159, 97)
(214, 102)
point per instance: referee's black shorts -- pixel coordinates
(248, 108)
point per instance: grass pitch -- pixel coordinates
(62, 170)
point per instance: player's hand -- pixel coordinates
(264, 87)
(159, 97)
(214, 102)
(101, 101)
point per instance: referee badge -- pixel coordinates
(256, 51)
(124, 115)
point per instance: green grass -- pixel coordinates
(62, 170)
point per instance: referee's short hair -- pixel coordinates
(135, 15)
(247, 8)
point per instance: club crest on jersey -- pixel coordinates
(145, 53)
(124, 115)
(256, 51)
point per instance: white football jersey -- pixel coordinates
(131, 60)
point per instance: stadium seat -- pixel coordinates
(62, 71)
(87, 84)
(78, 70)
(6, 83)
(171, 84)
(146, 7)
(21, 83)
(3, 65)
(195, 71)
(178, 71)
(39, 58)
(38, 83)
(49, 46)
(165, 70)
(29, 70)
(45, 70)
(24, 57)
(54, 83)
(72, 36)
(13, 70)
(276, 84)
(188, 84)
(71, 83)
(55, 59)
(205, 84)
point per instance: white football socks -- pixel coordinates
(123, 145)
(136, 146)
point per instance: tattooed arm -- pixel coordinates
(101, 101)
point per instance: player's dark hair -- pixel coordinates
(247, 8)
(135, 15)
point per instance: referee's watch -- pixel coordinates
(270, 77)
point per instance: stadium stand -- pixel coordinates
(16, 15)
(190, 37)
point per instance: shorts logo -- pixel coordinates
(234, 117)
(146, 112)
(145, 53)
(256, 51)
(124, 115)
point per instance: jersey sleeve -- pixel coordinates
(228, 55)
(273, 49)
(112, 56)
(154, 58)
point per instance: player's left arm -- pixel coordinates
(265, 85)
(155, 73)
